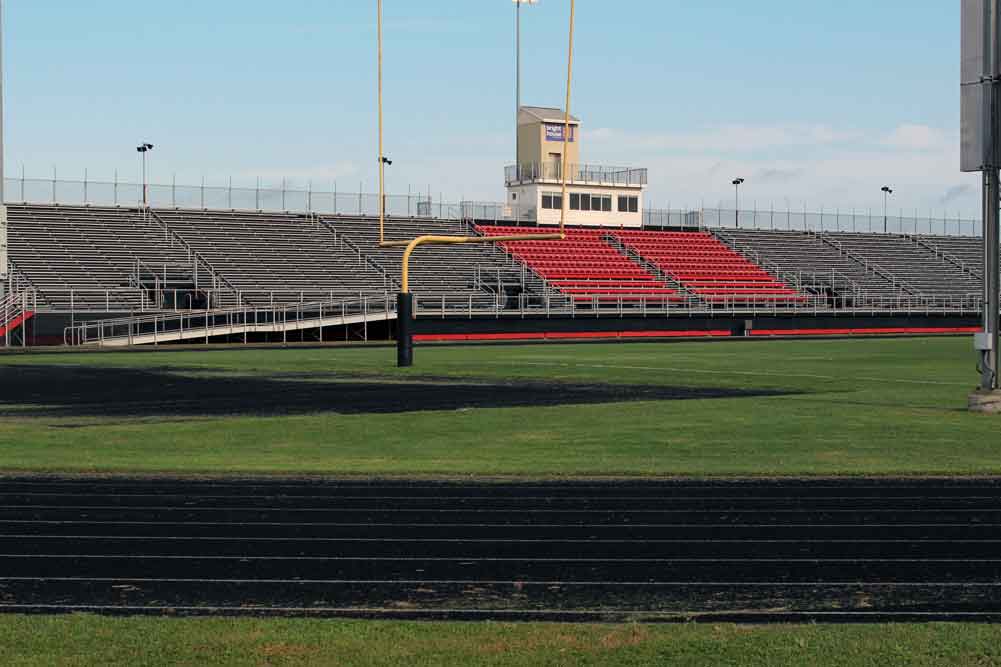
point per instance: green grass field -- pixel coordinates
(87, 640)
(820, 407)
(874, 407)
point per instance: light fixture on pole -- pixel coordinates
(517, 76)
(143, 149)
(736, 200)
(887, 191)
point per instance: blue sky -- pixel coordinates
(809, 101)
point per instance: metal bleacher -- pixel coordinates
(966, 252)
(277, 257)
(910, 263)
(708, 268)
(87, 257)
(816, 264)
(456, 270)
(585, 267)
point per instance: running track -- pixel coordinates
(752, 551)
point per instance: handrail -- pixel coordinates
(217, 277)
(94, 331)
(869, 265)
(342, 238)
(949, 257)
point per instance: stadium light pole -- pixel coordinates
(3, 200)
(887, 191)
(143, 149)
(736, 201)
(517, 68)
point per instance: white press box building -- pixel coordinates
(597, 195)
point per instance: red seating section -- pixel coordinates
(708, 268)
(586, 267)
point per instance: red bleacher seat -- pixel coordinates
(708, 268)
(586, 268)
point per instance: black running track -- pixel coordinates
(655, 550)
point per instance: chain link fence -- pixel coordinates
(345, 203)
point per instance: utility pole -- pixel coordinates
(517, 69)
(3, 190)
(887, 191)
(981, 151)
(736, 201)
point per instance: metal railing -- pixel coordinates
(203, 325)
(585, 174)
(549, 305)
(284, 197)
(244, 320)
(13, 308)
(329, 199)
(837, 220)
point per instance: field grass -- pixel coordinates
(89, 640)
(820, 407)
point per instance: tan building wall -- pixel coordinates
(540, 137)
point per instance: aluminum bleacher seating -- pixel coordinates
(817, 263)
(85, 257)
(277, 257)
(586, 268)
(967, 252)
(436, 270)
(910, 263)
(707, 268)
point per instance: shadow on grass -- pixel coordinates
(76, 391)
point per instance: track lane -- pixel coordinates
(751, 550)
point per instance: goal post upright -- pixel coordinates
(405, 298)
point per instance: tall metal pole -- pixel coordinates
(885, 195)
(736, 204)
(3, 191)
(382, 163)
(517, 76)
(990, 371)
(564, 168)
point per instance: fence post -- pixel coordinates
(86, 199)
(116, 187)
(202, 194)
(257, 195)
(53, 184)
(173, 191)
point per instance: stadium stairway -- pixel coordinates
(14, 313)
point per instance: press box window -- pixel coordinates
(585, 202)
(552, 201)
(574, 202)
(629, 204)
(605, 203)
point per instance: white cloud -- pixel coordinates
(726, 138)
(916, 137)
